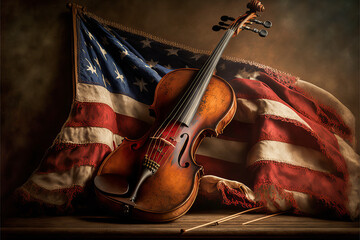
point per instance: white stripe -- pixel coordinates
(352, 160)
(304, 202)
(327, 99)
(291, 154)
(85, 135)
(247, 110)
(121, 104)
(76, 176)
(53, 198)
(230, 151)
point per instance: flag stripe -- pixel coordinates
(248, 110)
(120, 103)
(55, 197)
(329, 146)
(288, 153)
(352, 160)
(78, 175)
(282, 130)
(321, 185)
(328, 99)
(62, 157)
(224, 169)
(306, 106)
(304, 202)
(237, 131)
(101, 115)
(88, 135)
(230, 151)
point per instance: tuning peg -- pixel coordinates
(266, 24)
(218, 28)
(226, 18)
(223, 24)
(262, 33)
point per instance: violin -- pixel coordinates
(156, 177)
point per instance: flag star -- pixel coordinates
(102, 75)
(90, 35)
(83, 50)
(102, 50)
(146, 43)
(124, 53)
(186, 66)
(196, 56)
(243, 73)
(141, 84)
(222, 66)
(119, 43)
(97, 61)
(168, 66)
(172, 51)
(151, 63)
(118, 75)
(90, 67)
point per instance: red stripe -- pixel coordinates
(237, 131)
(321, 186)
(63, 157)
(101, 115)
(283, 130)
(329, 146)
(224, 169)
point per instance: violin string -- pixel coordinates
(221, 47)
(182, 101)
(196, 82)
(191, 92)
(218, 50)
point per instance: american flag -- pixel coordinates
(289, 147)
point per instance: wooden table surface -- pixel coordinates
(104, 227)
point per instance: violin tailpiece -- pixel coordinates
(151, 165)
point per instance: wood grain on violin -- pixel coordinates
(156, 178)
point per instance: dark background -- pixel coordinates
(317, 40)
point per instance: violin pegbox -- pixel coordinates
(243, 21)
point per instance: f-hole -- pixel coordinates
(185, 140)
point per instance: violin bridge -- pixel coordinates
(164, 140)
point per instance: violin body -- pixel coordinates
(168, 193)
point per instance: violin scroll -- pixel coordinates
(242, 22)
(255, 6)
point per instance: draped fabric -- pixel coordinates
(289, 147)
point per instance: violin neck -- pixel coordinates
(209, 67)
(198, 86)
